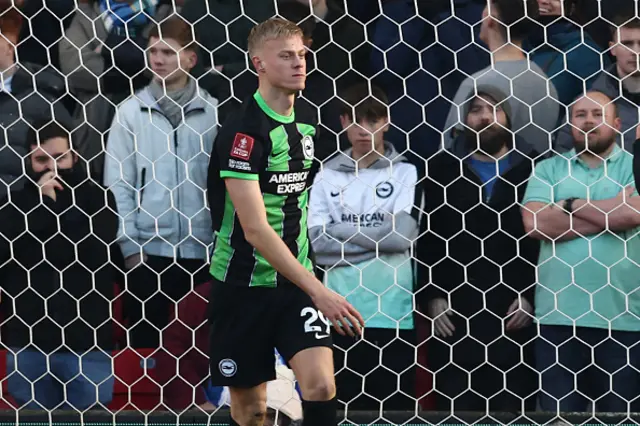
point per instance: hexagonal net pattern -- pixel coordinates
(460, 172)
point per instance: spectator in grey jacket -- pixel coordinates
(156, 164)
(532, 98)
(362, 226)
(620, 82)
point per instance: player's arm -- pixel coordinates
(241, 158)
(246, 197)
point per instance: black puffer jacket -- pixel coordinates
(56, 279)
(36, 93)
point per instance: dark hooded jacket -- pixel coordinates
(474, 254)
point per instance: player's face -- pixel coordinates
(594, 123)
(169, 61)
(626, 49)
(283, 62)
(365, 135)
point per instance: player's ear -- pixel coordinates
(257, 64)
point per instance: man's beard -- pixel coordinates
(595, 147)
(489, 141)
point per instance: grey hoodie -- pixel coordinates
(356, 214)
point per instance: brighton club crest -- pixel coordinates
(307, 147)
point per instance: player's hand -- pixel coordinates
(49, 184)
(439, 312)
(522, 312)
(342, 315)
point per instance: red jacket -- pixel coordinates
(183, 365)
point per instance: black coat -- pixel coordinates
(473, 251)
(58, 273)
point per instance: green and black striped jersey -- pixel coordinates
(256, 143)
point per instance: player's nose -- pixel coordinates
(298, 62)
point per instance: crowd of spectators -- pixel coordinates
(475, 172)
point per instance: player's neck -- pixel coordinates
(278, 100)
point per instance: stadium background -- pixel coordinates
(425, 48)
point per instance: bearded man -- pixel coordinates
(479, 294)
(582, 207)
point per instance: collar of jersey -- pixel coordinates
(271, 113)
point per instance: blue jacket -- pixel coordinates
(158, 175)
(582, 63)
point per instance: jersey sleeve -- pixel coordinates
(240, 155)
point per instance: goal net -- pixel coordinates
(472, 196)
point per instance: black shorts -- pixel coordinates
(249, 323)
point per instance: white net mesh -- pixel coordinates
(469, 201)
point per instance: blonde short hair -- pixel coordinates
(272, 29)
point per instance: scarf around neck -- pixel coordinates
(173, 103)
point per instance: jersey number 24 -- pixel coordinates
(313, 316)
